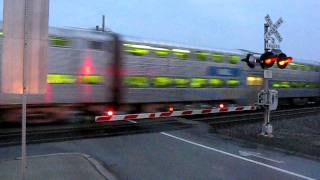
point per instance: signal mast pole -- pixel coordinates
(266, 127)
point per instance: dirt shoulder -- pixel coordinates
(300, 135)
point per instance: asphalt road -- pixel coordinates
(191, 153)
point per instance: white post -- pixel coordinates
(24, 97)
(267, 127)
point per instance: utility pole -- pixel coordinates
(102, 25)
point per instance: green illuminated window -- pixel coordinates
(59, 42)
(181, 53)
(307, 68)
(311, 85)
(198, 82)
(162, 81)
(284, 84)
(136, 81)
(162, 52)
(136, 49)
(217, 57)
(1, 34)
(181, 82)
(234, 59)
(233, 82)
(275, 84)
(202, 55)
(215, 82)
(91, 79)
(61, 79)
(293, 66)
(302, 67)
(296, 84)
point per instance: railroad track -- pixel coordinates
(63, 132)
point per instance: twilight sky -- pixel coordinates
(227, 24)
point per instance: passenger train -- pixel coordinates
(89, 70)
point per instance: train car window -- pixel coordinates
(59, 42)
(307, 68)
(217, 57)
(162, 81)
(281, 84)
(61, 79)
(275, 84)
(161, 52)
(181, 82)
(254, 81)
(302, 67)
(136, 81)
(96, 45)
(91, 79)
(311, 85)
(138, 50)
(181, 53)
(198, 82)
(201, 55)
(233, 59)
(233, 82)
(215, 82)
(285, 84)
(296, 84)
(293, 66)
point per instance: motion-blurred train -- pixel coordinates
(90, 71)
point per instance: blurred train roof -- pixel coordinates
(99, 35)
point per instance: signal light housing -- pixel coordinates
(283, 60)
(267, 60)
(250, 60)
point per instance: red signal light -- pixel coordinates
(110, 113)
(221, 105)
(267, 60)
(171, 109)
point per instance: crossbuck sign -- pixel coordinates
(272, 30)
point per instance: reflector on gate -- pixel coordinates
(16, 28)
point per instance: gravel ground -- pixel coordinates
(300, 135)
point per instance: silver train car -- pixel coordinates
(153, 77)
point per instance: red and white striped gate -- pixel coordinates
(122, 117)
